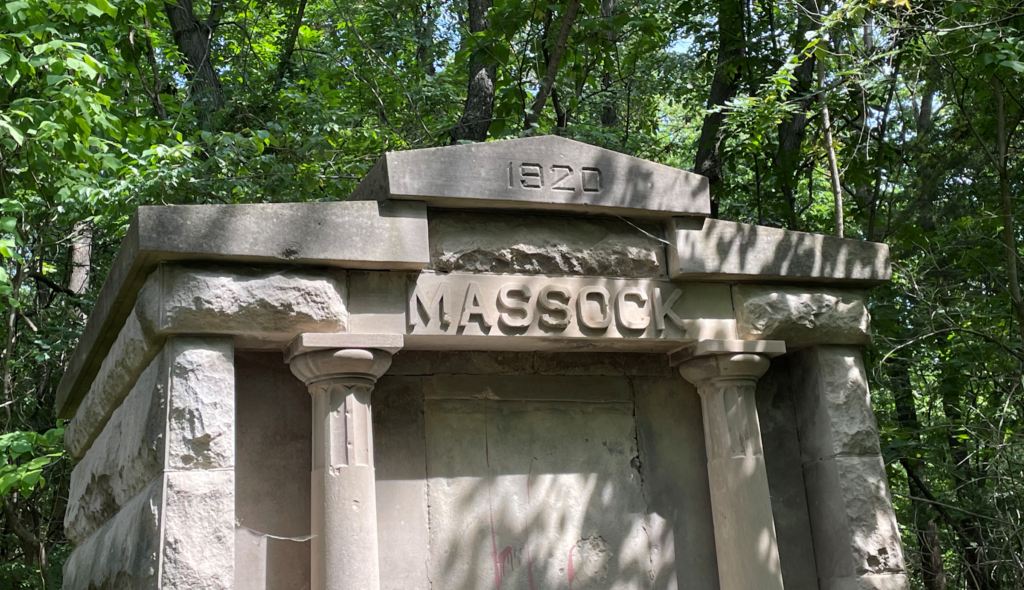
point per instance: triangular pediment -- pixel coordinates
(542, 173)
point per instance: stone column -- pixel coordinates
(344, 507)
(748, 553)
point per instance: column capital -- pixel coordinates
(363, 364)
(714, 360)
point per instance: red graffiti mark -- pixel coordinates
(571, 569)
(529, 558)
(507, 555)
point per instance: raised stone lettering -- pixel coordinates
(439, 307)
(474, 306)
(603, 316)
(549, 301)
(663, 308)
(509, 303)
(627, 317)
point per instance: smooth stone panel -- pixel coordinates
(430, 362)
(547, 172)
(179, 416)
(394, 236)
(532, 244)
(399, 455)
(538, 494)
(781, 443)
(274, 451)
(127, 358)
(123, 554)
(713, 249)
(801, 316)
(670, 432)
(262, 307)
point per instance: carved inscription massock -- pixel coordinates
(491, 305)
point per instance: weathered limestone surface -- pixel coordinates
(856, 539)
(199, 531)
(179, 416)
(126, 359)
(258, 304)
(547, 172)
(799, 317)
(377, 236)
(712, 249)
(528, 244)
(124, 553)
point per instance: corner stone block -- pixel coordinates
(833, 402)
(198, 548)
(259, 305)
(856, 540)
(179, 416)
(801, 317)
(854, 527)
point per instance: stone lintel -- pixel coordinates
(538, 173)
(312, 341)
(716, 250)
(766, 348)
(376, 236)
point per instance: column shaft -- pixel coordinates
(745, 540)
(344, 505)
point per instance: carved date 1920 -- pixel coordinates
(557, 177)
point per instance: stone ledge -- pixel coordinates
(395, 237)
(716, 250)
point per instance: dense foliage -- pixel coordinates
(886, 120)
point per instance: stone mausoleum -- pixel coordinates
(528, 364)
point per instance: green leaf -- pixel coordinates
(1017, 66)
(7, 225)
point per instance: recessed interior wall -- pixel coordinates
(514, 470)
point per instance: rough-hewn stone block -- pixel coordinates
(712, 249)
(259, 305)
(855, 531)
(198, 545)
(179, 415)
(528, 244)
(868, 582)
(124, 553)
(833, 403)
(800, 316)
(125, 360)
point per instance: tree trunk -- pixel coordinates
(81, 258)
(932, 574)
(724, 85)
(555, 60)
(425, 40)
(609, 110)
(1009, 238)
(284, 67)
(194, 38)
(833, 164)
(479, 109)
(792, 131)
